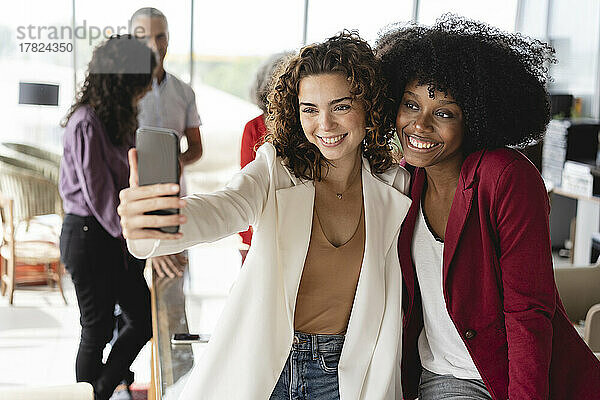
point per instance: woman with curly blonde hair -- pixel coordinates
(316, 310)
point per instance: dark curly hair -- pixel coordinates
(120, 70)
(498, 79)
(344, 53)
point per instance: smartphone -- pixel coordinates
(189, 338)
(158, 162)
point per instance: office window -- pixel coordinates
(326, 18)
(232, 38)
(533, 17)
(113, 16)
(574, 33)
(24, 27)
(498, 13)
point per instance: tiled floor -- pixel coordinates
(39, 336)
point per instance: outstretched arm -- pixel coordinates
(204, 217)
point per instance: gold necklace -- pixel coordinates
(340, 195)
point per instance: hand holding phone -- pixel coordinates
(136, 201)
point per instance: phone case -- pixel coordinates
(158, 162)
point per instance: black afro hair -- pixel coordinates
(498, 79)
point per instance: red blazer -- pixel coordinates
(254, 131)
(499, 285)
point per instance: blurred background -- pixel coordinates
(217, 47)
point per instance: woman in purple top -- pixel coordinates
(99, 131)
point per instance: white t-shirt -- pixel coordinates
(170, 104)
(441, 349)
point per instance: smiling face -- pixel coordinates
(431, 130)
(154, 32)
(330, 117)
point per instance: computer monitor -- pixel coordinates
(43, 94)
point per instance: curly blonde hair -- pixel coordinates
(344, 53)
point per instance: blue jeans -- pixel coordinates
(447, 387)
(310, 372)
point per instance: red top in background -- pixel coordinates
(254, 131)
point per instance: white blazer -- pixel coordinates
(253, 338)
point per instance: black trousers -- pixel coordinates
(105, 274)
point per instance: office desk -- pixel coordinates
(586, 223)
(191, 303)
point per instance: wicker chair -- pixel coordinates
(34, 151)
(48, 166)
(24, 195)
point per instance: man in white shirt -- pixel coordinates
(170, 104)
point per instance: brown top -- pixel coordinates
(329, 279)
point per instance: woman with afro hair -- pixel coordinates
(482, 315)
